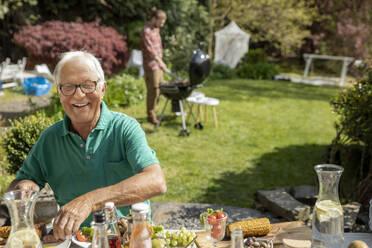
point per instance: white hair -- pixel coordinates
(91, 61)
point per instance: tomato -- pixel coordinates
(211, 219)
(220, 215)
(216, 231)
(81, 237)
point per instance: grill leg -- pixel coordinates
(191, 112)
(182, 115)
(184, 131)
(162, 113)
(198, 124)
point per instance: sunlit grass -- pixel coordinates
(270, 134)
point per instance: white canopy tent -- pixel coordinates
(231, 45)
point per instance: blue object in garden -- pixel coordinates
(37, 86)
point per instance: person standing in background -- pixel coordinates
(153, 63)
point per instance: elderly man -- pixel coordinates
(93, 155)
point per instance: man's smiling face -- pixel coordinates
(81, 108)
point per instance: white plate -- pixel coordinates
(81, 244)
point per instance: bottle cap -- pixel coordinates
(99, 217)
(109, 205)
(140, 208)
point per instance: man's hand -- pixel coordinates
(70, 217)
(162, 65)
(26, 185)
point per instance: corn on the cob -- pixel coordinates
(4, 232)
(252, 227)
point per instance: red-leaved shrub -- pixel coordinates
(45, 42)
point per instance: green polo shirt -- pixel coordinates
(115, 149)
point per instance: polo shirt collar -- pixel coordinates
(103, 121)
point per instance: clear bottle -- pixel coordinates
(113, 232)
(141, 235)
(99, 239)
(237, 238)
(328, 217)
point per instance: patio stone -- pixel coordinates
(283, 204)
(351, 211)
(307, 194)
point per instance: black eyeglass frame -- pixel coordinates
(78, 85)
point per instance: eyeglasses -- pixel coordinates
(87, 87)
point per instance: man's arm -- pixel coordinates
(148, 183)
(140, 187)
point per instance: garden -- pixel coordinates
(271, 133)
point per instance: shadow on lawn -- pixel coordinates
(238, 90)
(286, 166)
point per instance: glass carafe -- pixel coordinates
(21, 206)
(328, 217)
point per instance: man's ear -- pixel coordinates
(104, 88)
(58, 90)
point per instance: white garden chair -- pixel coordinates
(136, 60)
(10, 74)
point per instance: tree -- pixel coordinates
(343, 28)
(14, 13)
(282, 23)
(187, 23)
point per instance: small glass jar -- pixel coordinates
(237, 238)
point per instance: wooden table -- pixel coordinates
(294, 229)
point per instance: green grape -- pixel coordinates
(174, 242)
(189, 239)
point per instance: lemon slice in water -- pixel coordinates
(25, 237)
(328, 209)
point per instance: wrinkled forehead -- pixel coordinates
(77, 70)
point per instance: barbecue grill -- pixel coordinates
(179, 89)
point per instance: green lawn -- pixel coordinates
(270, 134)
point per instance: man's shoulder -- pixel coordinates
(123, 119)
(148, 30)
(50, 133)
(55, 129)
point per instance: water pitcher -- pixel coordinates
(328, 217)
(21, 206)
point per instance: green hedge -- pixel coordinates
(221, 71)
(124, 90)
(261, 70)
(22, 135)
(352, 146)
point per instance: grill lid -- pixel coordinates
(200, 67)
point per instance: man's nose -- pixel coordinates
(79, 92)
